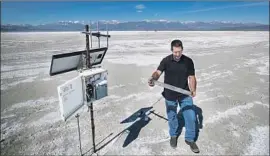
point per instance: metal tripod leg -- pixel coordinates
(92, 125)
(77, 116)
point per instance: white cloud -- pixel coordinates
(139, 11)
(225, 7)
(140, 7)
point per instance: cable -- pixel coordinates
(149, 111)
(157, 101)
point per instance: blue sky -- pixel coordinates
(47, 12)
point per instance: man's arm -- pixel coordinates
(156, 74)
(192, 83)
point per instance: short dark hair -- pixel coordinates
(176, 43)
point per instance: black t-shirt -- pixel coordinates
(176, 74)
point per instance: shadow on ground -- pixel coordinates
(181, 122)
(199, 119)
(136, 115)
(143, 120)
(134, 129)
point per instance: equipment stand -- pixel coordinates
(83, 62)
(90, 107)
(89, 66)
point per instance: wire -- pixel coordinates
(149, 111)
(157, 101)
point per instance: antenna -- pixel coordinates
(91, 36)
(98, 36)
(107, 35)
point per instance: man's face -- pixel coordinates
(177, 52)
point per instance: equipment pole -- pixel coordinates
(88, 64)
(91, 103)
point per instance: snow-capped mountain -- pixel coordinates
(149, 25)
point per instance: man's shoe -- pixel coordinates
(173, 142)
(193, 146)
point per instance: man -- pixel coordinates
(179, 71)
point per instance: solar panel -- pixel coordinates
(62, 63)
(97, 55)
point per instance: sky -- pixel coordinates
(48, 12)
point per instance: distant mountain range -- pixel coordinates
(146, 25)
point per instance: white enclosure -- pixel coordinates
(71, 97)
(89, 86)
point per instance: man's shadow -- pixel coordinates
(141, 120)
(198, 122)
(134, 129)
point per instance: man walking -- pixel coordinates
(179, 71)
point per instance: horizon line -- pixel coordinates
(145, 20)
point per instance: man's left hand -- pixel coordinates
(193, 93)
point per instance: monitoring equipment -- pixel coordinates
(91, 83)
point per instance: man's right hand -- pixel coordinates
(151, 82)
(155, 76)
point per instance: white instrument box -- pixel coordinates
(89, 86)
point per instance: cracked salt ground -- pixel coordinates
(259, 144)
(231, 130)
(233, 96)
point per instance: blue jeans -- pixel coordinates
(186, 107)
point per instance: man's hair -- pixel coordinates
(176, 43)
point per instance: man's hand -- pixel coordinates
(155, 76)
(193, 93)
(151, 82)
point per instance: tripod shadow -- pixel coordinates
(133, 130)
(98, 144)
